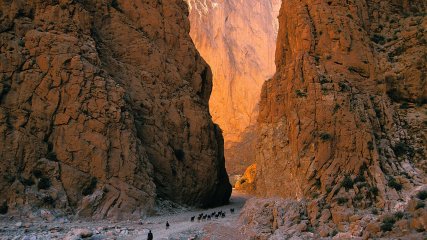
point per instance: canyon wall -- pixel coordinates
(327, 114)
(343, 121)
(104, 109)
(342, 131)
(237, 39)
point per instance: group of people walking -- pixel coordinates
(201, 217)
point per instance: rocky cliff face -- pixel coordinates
(104, 107)
(237, 39)
(343, 119)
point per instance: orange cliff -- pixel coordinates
(237, 38)
(342, 124)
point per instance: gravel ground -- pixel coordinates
(179, 219)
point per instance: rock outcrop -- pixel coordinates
(246, 182)
(278, 218)
(237, 40)
(342, 122)
(104, 108)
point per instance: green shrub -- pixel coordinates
(392, 183)
(114, 4)
(371, 145)
(386, 227)
(52, 156)
(325, 136)
(401, 149)
(399, 215)
(374, 191)
(323, 80)
(342, 200)
(4, 208)
(422, 195)
(404, 105)
(333, 233)
(27, 182)
(387, 224)
(378, 39)
(44, 183)
(317, 58)
(359, 178)
(21, 42)
(336, 107)
(37, 173)
(420, 205)
(88, 190)
(318, 183)
(179, 154)
(375, 211)
(344, 87)
(48, 200)
(300, 93)
(352, 69)
(358, 197)
(347, 183)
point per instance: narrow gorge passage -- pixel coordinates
(237, 38)
(117, 116)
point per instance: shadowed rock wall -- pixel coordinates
(104, 107)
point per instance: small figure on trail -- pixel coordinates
(209, 217)
(167, 225)
(232, 210)
(223, 215)
(192, 218)
(150, 235)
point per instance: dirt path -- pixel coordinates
(180, 226)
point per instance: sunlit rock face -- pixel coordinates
(343, 114)
(237, 38)
(342, 125)
(104, 108)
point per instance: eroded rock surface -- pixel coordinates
(237, 38)
(104, 107)
(278, 218)
(246, 182)
(342, 122)
(326, 117)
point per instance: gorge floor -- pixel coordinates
(180, 226)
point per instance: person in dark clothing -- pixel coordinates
(167, 225)
(150, 235)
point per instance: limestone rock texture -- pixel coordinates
(343, 121)
(237, 39)
(246, 182)
(326, 116)
(104, 109)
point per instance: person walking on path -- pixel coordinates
(167, 225)
(150, 235)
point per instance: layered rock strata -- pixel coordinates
(104, 108)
